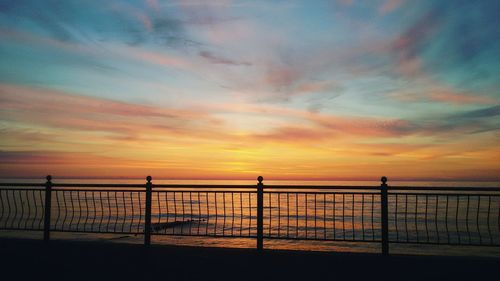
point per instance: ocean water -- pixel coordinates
(318, 214)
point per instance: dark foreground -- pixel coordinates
(67, 260)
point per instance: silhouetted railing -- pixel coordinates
(325, 214)
(384, 215)
(441, 216)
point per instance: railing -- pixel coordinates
(383, 215)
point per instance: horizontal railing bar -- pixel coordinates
(321, 239)
(96, 232)
(203, 235)
(27, 229)
(195, 186)
(141, 191)
(204, 186)
(92, 185)
(267, 187)
(443, 244)
(110, 185)
(157, 185)
(440, 188)
(322, 192)
(269, 190)
(98, 190)
(23, 184)
(205, 191)
(76, 185)
(23, 189)
(136, 190)
(480, 193)
(265, 237)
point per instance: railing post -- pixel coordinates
(48, 203)
(147, 217)
(260, 214)
(385, 216)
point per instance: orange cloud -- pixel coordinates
(71, 135)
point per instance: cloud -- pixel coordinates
(364, 126)
(156, 58)
(434, 93)
(153, 4)
(345, 2)
(409, 45)
(389, 6)
(59, 110)
(448, 96)
(481, 113)
(282, 78)
(306, 126)
(215, 59)
(33, 162)
(292, 78)
(47, 158)
(26, 98)
(91, 22)
(294, 134)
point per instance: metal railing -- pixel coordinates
(384, 215)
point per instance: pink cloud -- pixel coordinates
(55, 109)
(364, 126)
(407, 47)
(282, 77)
(157, 58)
(434, 92)
(153, 4)
(453, 97)
(389, 6)
(345, 2)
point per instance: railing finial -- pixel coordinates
(149, 178)
(383, 180)
(49, 178)
(260, 179)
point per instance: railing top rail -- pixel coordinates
(236, 186)
(72, 185)
(267, 187)
(91, 185)
(441, 188)
(351, 187)
(121, 185)
(23, 184)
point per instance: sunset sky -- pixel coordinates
(345, 89)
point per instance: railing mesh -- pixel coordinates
(335, 216)
(453, 219)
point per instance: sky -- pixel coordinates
(345, 89)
